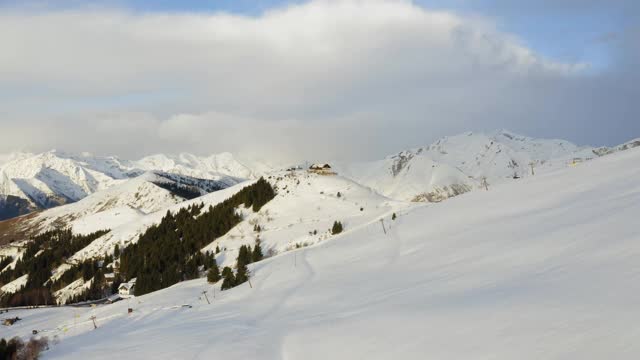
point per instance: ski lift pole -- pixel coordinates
(205, 296)
(485, 184)
(383, 228)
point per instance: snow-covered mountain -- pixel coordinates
(124, 202)
(47, 180)
(31, 182)
(446, 168)
(302, 214)
(542, 268)
(457, 164)
(622, 147)
(209, 167)
(303, 210)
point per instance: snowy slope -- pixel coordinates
(300, 215)
(129, 230)
(303, 213)
(543, 268)
(129, 202)
(456, 164)
(126, 202)
(305, 202)
(411, 177)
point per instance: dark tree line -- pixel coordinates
(5, 261)
(185, 192)
(42, 255)
(169, 252)
(164, 255)
(29, 297)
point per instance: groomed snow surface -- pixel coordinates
(546, 267)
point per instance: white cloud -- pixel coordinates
(337, 78)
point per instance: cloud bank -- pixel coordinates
(326, 79)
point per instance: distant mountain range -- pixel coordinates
(448, 167)
(30, 182)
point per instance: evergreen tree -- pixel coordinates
(96, 290)
(242, 273)
(257, 252)
(229, 280)
(191, 270)
(393, 217)
(244, 255)
(337, 228)
(209, 260)
(3, 349)
(108, 259)
(213, 275)
(116, 251)
(116, 284)
(244, 258)
(170, 251)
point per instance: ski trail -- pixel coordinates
(268, 310)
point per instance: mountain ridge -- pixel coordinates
(447, 167)
(30, 182)
(456, 164)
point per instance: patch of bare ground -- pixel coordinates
(16, 229)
